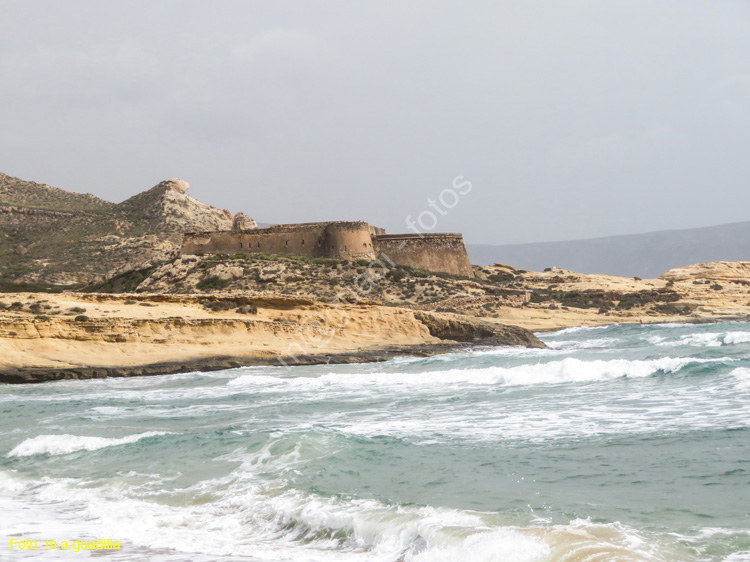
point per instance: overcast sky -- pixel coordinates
(571, 119)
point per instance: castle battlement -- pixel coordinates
(351, 240)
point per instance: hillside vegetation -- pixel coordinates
(52, 236)
(15, 192)
(536, 300)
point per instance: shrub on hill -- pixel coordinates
(212, 283)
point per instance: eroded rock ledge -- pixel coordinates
(476, 331)
(175, 334)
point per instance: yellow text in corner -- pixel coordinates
(75, 546)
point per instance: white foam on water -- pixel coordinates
(742, 375)
(706, 339)
(693, 340)
(488, 546)
(737, 337)
(576, 330)
(274, 524)
(152, 412)
(520, 352)
(582, 344)
(700, 340)
(66, 444)
(568, 370)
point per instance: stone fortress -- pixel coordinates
(439, 252)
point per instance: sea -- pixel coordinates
(618, 443)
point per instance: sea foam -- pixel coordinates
(742, 374)
(568, 370)
(65, 444)
(291, 525)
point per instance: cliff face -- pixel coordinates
(84, 336)
(49, 235)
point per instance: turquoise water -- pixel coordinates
(618, 443)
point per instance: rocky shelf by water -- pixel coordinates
(115, 336)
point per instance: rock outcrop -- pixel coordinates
(167, 207)
(52, 236)
(718, 271)
(111, 335)
(476, 331)
(243, 222)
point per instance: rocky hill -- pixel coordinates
(30, 195)
(52, 236)
(551, 299)
(166, 207)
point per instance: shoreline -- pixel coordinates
(63, 336)
(38, 375)
(33, 375)
(110, 336)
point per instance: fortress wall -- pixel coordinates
(342, 240)
(350, 241)
(434, 252)
(310, 241)
(221, 242)
(337, 240)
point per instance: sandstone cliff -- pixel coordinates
(49, 337)
(718, 271)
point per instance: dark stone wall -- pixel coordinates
(343, 240)
(336, 240)
(308, 241)
(434, 252)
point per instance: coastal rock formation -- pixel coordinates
(718, 271)
(93, 238)
(243, 222)
(178, 185)
(476, 331)
(122, 335)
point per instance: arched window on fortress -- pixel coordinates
(303, 241)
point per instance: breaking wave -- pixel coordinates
(66, 444)
(568, 370)
(273, 524)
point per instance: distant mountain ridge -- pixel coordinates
(646, 255)
(50, 235)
